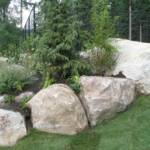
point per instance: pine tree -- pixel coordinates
(102, 22)
(60, 43)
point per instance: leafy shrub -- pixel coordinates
(9, 99)
(102, 60)
(29, 44)
(74, 83)
(47, 80)
(23, 103)
(13, 79)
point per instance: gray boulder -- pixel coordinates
(12, 127)
(103, 97)
(57, 109)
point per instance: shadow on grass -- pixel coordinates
(84, 141)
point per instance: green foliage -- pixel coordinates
(103, 30)
(29, 44)
(84, 14)
(9, 99)
(140, 15)
(13, 79)
(103, 24)
(23, 102)
(3, 9)
(120, 9)
(57, 53)
(28, 48)
(74, 83)
(9, 33)
(102, 61)
(47, 80)
(9, 39)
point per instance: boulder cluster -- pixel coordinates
(57, 109)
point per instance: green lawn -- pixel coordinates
(128, 131)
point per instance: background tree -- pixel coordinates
(121, 10)
(9, 39)
(140, 17)
(3, 9)
(9, 33)
(84, 14)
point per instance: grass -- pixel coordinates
(128, 131)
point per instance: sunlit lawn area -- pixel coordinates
(128, 131)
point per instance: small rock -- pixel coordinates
(12, 127)
(22, 96)
(2, 98)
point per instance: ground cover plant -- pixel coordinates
(13, 79)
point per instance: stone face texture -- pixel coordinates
(12, 127)
(57, 109)
(103, 97)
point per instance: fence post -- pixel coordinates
(21, 14)
(34, 22)
(130, 19)
(140, 32)
(30, 24)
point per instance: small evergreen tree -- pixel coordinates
(59, 45)
(103, 24)
(103, 31)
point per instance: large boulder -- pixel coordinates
(103, 97)
(134, 62)
(57, 109)
(12, 127)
